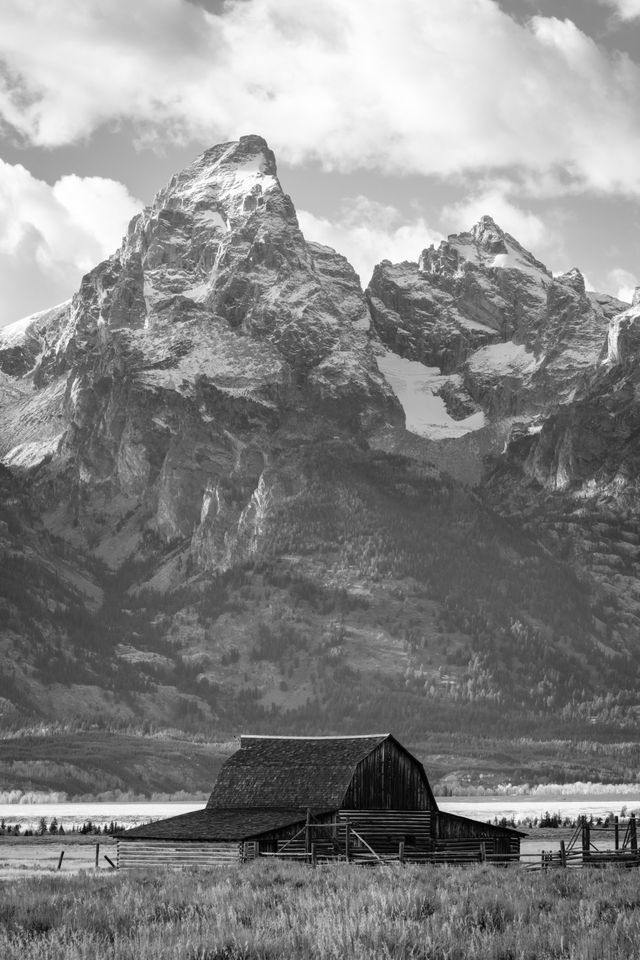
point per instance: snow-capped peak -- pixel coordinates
(225, 183)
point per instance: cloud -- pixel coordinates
(366, 232)
(524, 225)
(416, 86)
(625, 9)
(51, 235)
(622, 284)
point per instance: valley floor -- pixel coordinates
(22, 857)
(271, 912)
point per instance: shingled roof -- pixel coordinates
(290, 772)
(213, 824)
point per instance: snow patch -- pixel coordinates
(26, 456)
(415, 387)
(14, 334)
(214, 218)
(513, 260)
(503, 359)
(469, 324)
(198, 292)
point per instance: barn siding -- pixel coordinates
(385, 830)
(449, 828)
(389, 779)
(176, 853)
(275, 840)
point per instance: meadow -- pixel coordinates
(280, 911)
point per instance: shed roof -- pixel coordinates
(480, 825)
(291, 771)
(214, 824)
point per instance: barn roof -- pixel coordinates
(491, 829)
(291, 771)
(212, 824)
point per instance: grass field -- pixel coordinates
(265, 911)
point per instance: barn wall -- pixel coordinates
(275, 840)
(384, 830)
(176, 853)
(452, 828)
(388, 779)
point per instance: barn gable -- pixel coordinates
(389, 778)
(302, 772)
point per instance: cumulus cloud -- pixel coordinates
(626, 9)
(366, 232)
(51, 235)
(524, 225)
(411, 86)
(622, 284)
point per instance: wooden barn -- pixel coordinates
(354, 798)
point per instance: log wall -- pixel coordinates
(176, 853)
(449, 829)
(384, 830)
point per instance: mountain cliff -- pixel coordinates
(232, 481)
(508, 338)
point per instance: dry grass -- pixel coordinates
(268, 911)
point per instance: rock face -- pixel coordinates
(482, 308)
(158, 389)
(589, 447)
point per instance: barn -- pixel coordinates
(354, 798)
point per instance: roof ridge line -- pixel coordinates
(355, 736)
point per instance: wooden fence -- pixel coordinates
(589, 846)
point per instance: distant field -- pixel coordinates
(35, 856)
(285, 912)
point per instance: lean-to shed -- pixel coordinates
(352, 797)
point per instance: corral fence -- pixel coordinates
(613, 844)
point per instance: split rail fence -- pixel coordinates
(588, 846)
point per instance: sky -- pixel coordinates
(393, 124)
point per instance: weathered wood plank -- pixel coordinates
(149, 853)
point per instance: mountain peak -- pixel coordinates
(573, 278)
(486, 233)
(249, 152)
(230, 179)
(485, 246)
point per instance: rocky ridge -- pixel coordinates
(508, 338)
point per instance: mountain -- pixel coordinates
(508, 339)
(238, 491)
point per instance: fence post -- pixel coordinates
(347, 841)
(483, 852)
(61, 859)
(307, 833)
(563, 854)
(97, 854)
(401, 851)
(633, 834)
(616, 834)
(313, 855)
(586, 838)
